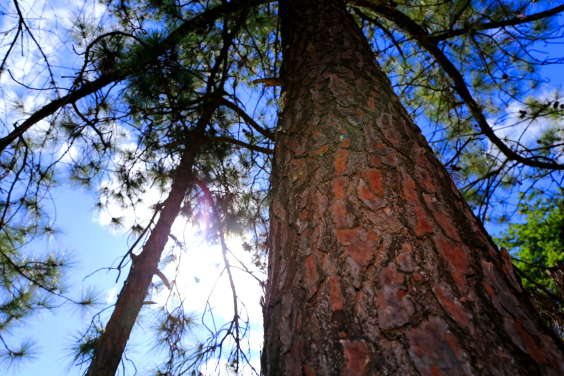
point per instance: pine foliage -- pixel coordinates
(139, 79)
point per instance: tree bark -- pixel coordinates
(377, 265)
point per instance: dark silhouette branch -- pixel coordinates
(420, 35)
(49, 109)
(193, 25)
(91, 125)
(209, 198)
(78, 79)
(222, 139)
(22, 20)
(539, 286)
(240, 143)
(249, 120)
(376, 23)
(495, 25)
(374, 4)
(12, 44)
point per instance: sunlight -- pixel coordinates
(203, 285)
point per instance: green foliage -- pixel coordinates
(125, 141)
(27, 284)
(12, 358)
(538, 251)
(539, 241)
(502, 70)
(83, 344)
(172, 332)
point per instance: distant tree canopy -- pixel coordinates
(114, 98)
(539, 241)
(538, 252)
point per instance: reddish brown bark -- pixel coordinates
(377, 266)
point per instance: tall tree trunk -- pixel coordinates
(109, 350)
(377, 265)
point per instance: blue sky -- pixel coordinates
(95, 247)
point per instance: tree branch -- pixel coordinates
(420, 35)
(208, 196)
(539, 286)
(495, 25)
(223, 139)
(91, 125)
(374, 21)
(249, 120)
(12, 44)
(240, 143)
(49, 109)
(193, 25)
(373, 4)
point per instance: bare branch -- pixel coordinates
(208, 196)
(375, 22)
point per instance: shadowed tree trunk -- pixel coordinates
(109, 350)
(377, 266)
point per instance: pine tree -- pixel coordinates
(376, 263)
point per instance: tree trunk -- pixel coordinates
(377, 266)
(109, 350)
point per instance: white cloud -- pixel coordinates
(49, 22)
(510, 127)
